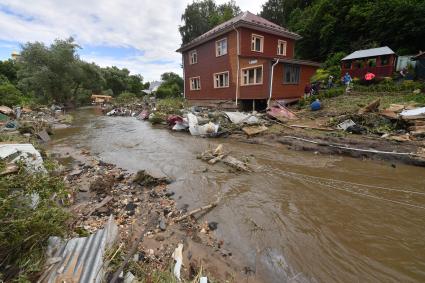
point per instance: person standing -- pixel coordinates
(330, 81)
(347, 80)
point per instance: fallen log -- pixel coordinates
(235, 163)
(206, 207)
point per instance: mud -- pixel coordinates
(298, 217)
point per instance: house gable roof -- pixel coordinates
(369, 53)
(245, 19)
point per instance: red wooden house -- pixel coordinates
(379, 61)
(245, 60)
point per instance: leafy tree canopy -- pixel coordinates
(330, 26)
(201, 16)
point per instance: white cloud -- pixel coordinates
(148, 26)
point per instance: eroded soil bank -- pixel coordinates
(300, 216)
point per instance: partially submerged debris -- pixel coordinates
(240, 118)
(214, 156)
(144, 179)
(178, 257)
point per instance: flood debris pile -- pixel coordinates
(38, 123)
(145, 213)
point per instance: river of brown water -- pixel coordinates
(300, 217)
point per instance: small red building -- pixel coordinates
(245, 60)
(379, 61)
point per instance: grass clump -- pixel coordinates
(29, 214)
(171, 105)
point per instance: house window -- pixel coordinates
(193, 57)
(291, 74)
(195, 83)
(371, 62)
(347, 65)
(358, 64)
(252, 76)
(384, 60)
(281, 47)
(257, 42)
(221, 47)
(221, 80)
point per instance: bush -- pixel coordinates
(328, 93)
(24, 228)
(388, 85)
(10, 95)
(126, 97)
(165, 91)
(171, 105)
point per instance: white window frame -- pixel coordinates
(216, 79)
(191, 80)
(255, 75)
(279, 44)
(218, 47)
(253, 45)
(191, 53)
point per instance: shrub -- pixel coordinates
(9, 95)
(25, 228)
(126, 97)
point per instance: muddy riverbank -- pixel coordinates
(300, 216)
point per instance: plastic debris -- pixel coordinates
(178, 257)
(413, 112)
(6, 110)
(23, 152)
(344, 125)
(197, 130)
(239, 118)
(203, 280)
(316, 105)
(281, 113)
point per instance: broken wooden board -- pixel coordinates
(371, 107)
(389, 114)
(254, 130)
(312, 128)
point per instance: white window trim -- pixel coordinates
(279, 42)
(261, 42)
(220, 73)
(191, 85)
(190, 57)
(252, 67)
(216, 47)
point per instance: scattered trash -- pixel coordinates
(356, 129)
(316, 105)
(174, 119)
(214, 156)
(79, 259)
(6, 110)
(281, 113)
(145, 179)
(239, 118)
(344, 125)
(254, 130)
(23, 152)
(144, 115)
(178, 257)
(204, 130)
(417, 113)
(11, 126)
(203, 280)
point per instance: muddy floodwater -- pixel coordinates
(300, 217)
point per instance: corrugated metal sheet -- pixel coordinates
(79, 259)
(369, 53)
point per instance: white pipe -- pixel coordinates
(271, 82)
(237, 75)
(184, 77)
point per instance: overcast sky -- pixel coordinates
(140, 35)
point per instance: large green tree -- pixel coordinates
(201, 16)
(330, 26)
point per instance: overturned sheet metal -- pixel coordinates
(239, 118)
(25, 153)
(413, 112)
(79, 259)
